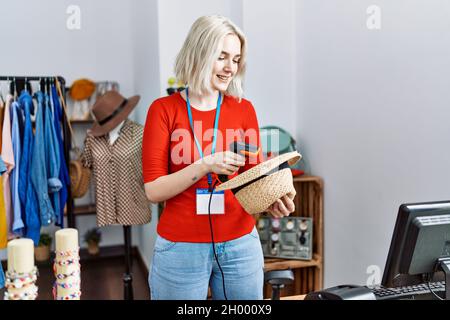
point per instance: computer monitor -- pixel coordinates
(420, 246)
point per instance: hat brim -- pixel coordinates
(98, 130)
(259, 170)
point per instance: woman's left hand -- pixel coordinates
(283, 207)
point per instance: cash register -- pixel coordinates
(418, 262)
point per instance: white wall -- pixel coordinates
(373, 117)
(146, 83)
(175, 20)
(270, 82)
(41, 44)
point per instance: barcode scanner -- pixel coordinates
(243, 149)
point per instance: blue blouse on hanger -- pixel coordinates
(27, 195)
(38, 170)
(18, 224)
(64, 172)
(2, 275)
(52, 159)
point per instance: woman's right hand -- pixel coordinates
(226, 163)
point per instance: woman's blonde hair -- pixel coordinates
(194, 63)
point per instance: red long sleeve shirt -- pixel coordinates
(168, 146)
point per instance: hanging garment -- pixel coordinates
(27, 195)
(2, 112)
(21, 119)
(52, 158)
(2, 277)
(18, 224)
(117, 168)
(64, 172)
(8, 157)
(3, 223)
(38, 170)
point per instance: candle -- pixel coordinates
(66, 265)
(66, 240)
(20, 255)
(21, 275)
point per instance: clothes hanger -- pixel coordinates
(49, 86)
(1, 92)
(41, 84)
(15, 89)
(50, 95)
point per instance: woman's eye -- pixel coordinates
(221, 58)
(237, 62)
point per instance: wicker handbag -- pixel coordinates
(79, 175)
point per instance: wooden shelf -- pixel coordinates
(305, 178)
(283, 264)
(308, 275)
(90, 121)
(84, 210)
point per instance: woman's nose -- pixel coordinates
(228, 65)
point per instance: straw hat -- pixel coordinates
(259, 187)
(110, 110)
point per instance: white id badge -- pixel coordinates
(217, 201)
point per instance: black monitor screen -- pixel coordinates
(421, 236)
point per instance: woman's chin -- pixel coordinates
(220, 87)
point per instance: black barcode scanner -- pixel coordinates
(242, 148)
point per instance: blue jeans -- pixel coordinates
(183, 270)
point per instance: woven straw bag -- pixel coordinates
(80, 177)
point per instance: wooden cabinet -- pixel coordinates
(308, 274)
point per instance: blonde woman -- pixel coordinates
(204, 240)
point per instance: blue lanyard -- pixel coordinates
(216, 124)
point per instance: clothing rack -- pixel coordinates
(16, 85)
(127, 276)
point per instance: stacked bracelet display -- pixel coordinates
(66, 268)
(21, 286)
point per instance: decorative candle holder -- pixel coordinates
(22, 274)
(66, 266)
